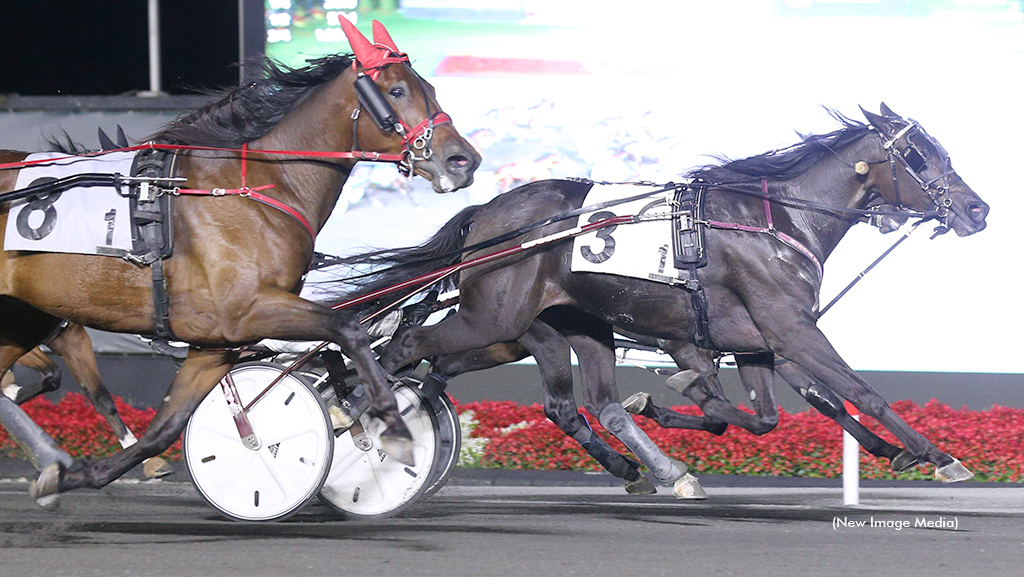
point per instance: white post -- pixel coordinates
(154, 50)
(851, 464)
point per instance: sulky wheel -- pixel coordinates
(449, 436)
(364, 481)
(295, 437)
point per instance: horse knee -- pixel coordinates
(764, 424)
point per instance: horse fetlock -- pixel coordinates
(903, 461)
(688, 487)
(953, 473)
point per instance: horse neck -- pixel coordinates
(320, 122)
(832, 182)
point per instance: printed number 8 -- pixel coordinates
(43, 202)
(605, 234)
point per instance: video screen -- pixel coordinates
(623, 92)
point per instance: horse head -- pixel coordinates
(921, 175)
(405, 113)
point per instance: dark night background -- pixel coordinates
(73, 47)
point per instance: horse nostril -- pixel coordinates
(978, 211)
(458, 162)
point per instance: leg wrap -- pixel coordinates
(609, 458)
(40, 448)
(822, 398)
(614, 418)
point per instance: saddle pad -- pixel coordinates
(83, 220)
(642, 250)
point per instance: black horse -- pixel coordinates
(761, 293)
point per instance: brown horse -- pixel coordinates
(237, 265)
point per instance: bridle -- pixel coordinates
(416, 140)
(914, 163)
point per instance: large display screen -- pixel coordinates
(645, 91)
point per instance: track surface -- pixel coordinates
(165, 528)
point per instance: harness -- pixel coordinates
(152, 182)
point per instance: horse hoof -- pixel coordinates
(641, 486)
(156, 468)
(682, 380)
(903, 461)
(718, 428)
(44, 489)
(688, 487)
(398, 448)
(953, 473)
(636, 403)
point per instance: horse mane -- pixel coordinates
(253, 109)
(785, 163)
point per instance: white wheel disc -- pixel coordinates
(296, 443)
(364, 481)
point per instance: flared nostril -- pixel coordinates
(977, 211)
(459, 163)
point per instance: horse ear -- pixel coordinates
(888, 113)
(361, 47)
(381, 36)
(879, 122)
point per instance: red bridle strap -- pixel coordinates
(252, 193)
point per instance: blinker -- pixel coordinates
(915, 160)
(375, 103)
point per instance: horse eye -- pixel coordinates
(397, 92)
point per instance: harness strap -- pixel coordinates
(771, 231)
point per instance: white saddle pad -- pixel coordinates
(642, 250)
(84, 220)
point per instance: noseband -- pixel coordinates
(416, 140)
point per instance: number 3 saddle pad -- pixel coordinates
(642, 250)
(83, 220)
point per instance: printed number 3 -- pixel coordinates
(43, 202)
(605, 234)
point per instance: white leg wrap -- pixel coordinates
(614, 418)
(40, 448)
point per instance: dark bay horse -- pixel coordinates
(762, 294)
(237, 265)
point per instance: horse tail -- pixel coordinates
(380, 269)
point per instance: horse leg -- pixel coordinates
(594, 345)
(551, 350)
(809, 348)
(757, 374)
(200, 372)
(49, 381)
(74, 346)
(827, 403)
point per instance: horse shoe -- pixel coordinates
(688, 487)
(953, 473)
(641, 486)
(44, 489)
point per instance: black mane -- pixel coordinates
(252, 110)
(785, 163)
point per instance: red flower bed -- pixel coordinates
(80, 430)
(990, 443)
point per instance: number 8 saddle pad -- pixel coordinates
(83, 220)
